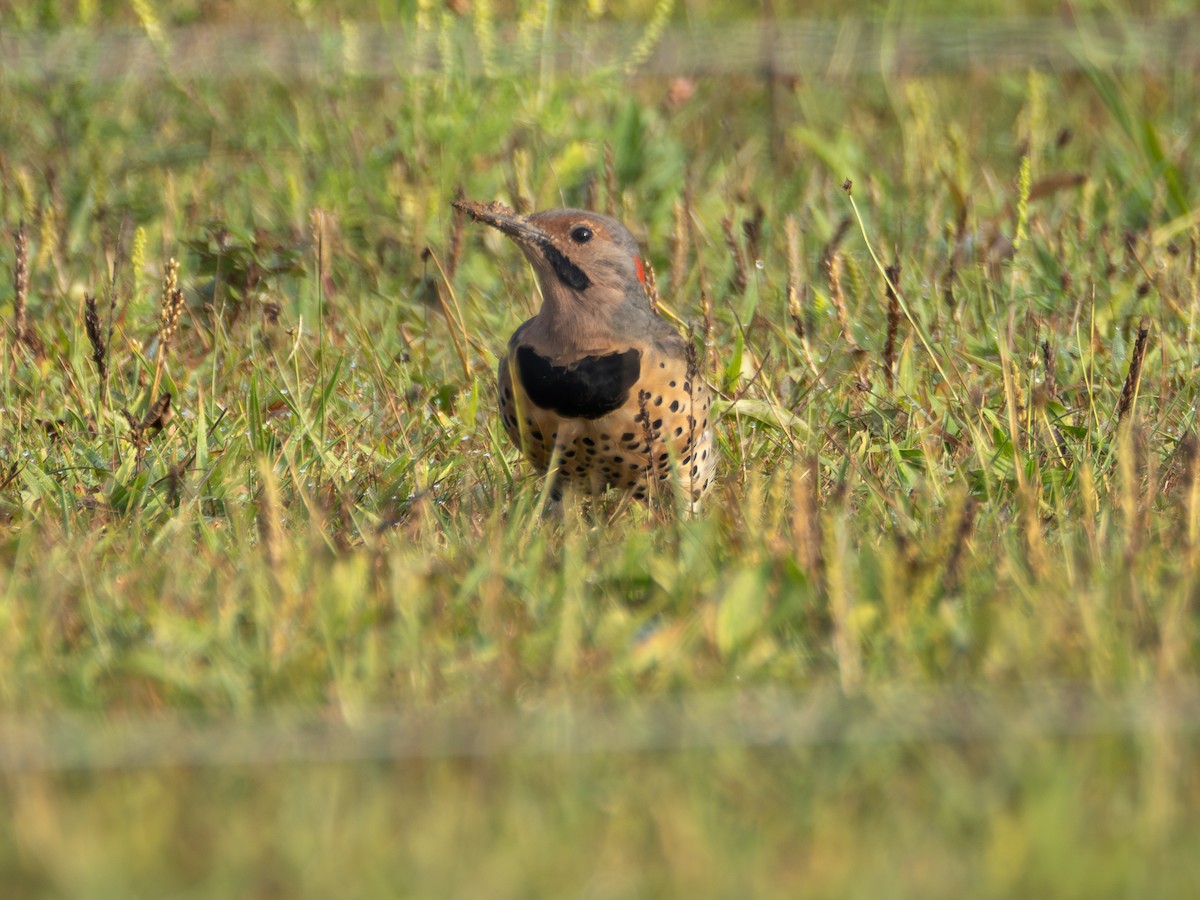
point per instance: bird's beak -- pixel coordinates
(504, 219)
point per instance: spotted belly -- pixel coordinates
(657, 432)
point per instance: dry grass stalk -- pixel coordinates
(452, 313)
(693, 379)
(806, 521)
(831, 265)
(611, 205)
(833, 272)
(791, 231)
(950, 276)
(643, 419)
(1191, 453)
(752, 231)
(846, 641)
(158, 416)
(651, 285)
(1033, 532)
(707, 324)
(679, 244)
(740, 280)
(893, 323)
(589, 193)
(20, 285)
(8, 477)
(458, 223)
(797, 292)
(1049, 391)
(175, 479)
(1133, 378)
(1130, 464)
(168, 319)
(518, 169)
(156, 419)
(270, 526)
(1048, 363)
(958, 543)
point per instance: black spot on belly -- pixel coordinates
(587, 389)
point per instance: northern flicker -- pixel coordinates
(597, 388)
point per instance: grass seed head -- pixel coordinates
(831, 263)
(91, 321)
(1134, 376)
(893, 322)
(170, 308)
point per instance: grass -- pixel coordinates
(946, 492)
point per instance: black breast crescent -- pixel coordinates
(588, 388)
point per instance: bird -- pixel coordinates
(597, 390)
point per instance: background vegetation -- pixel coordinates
(300, 628)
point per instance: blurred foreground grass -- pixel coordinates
(989, 479)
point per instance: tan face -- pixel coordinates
(600, 247)
(572, 250)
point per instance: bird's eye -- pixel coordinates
(581, 234)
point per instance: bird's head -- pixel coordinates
(588, 264)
